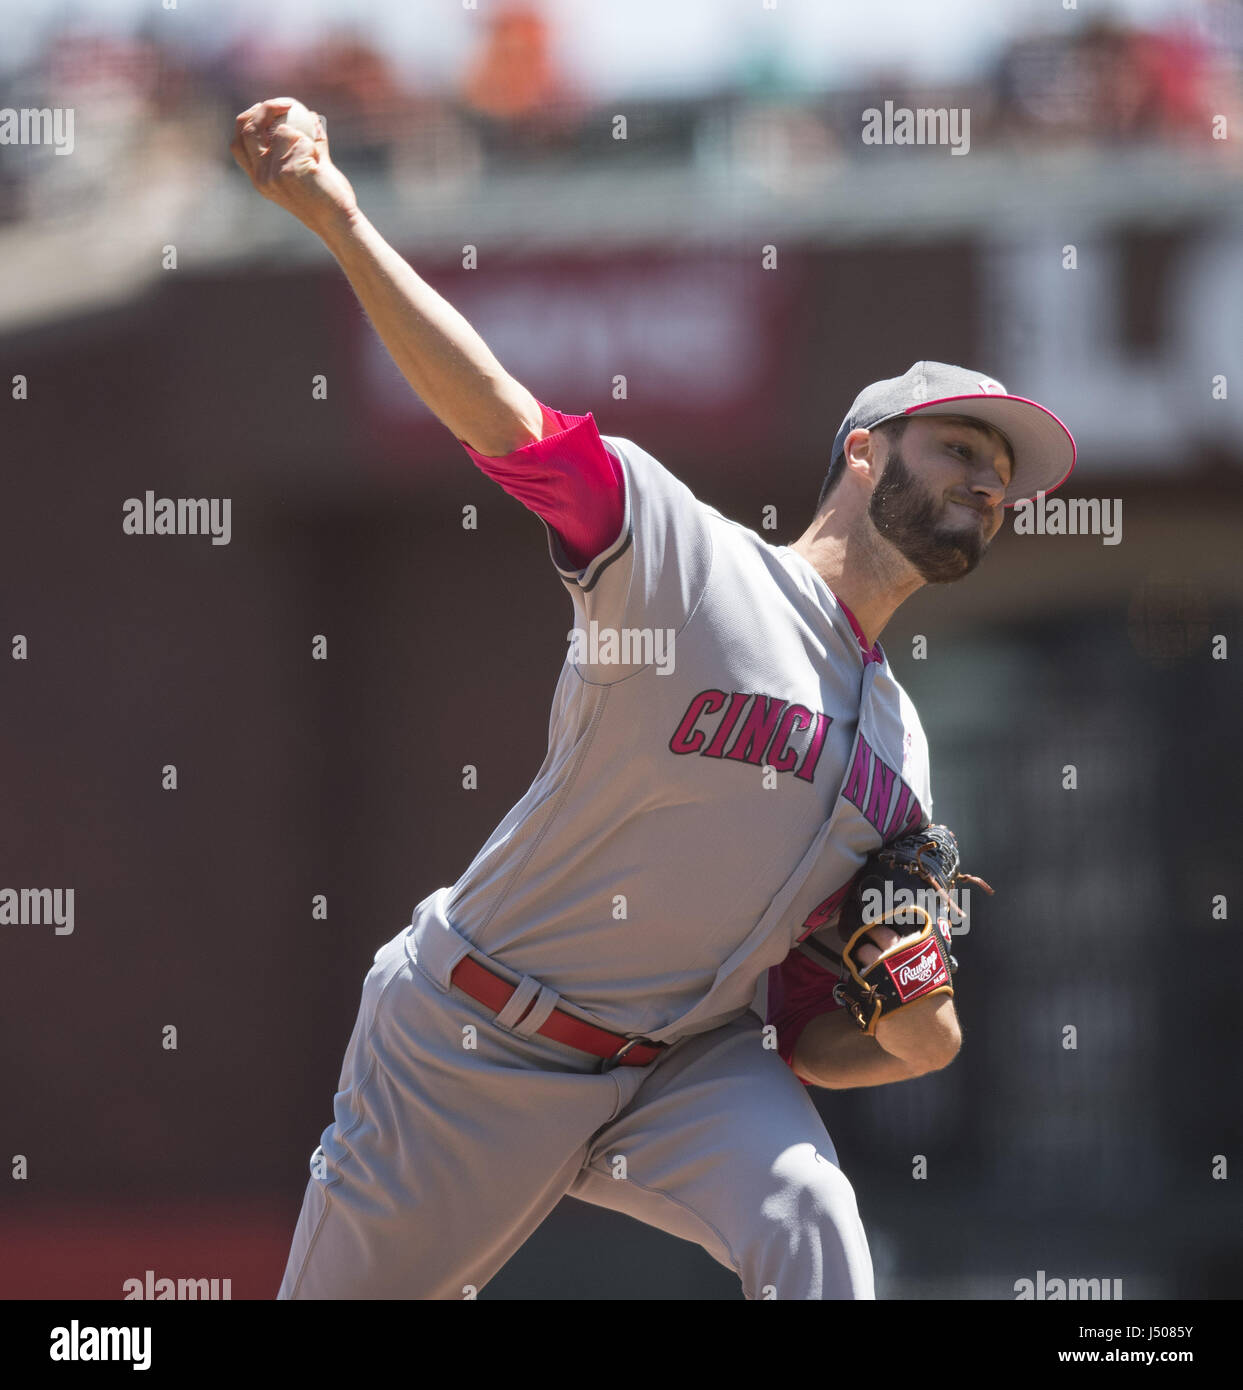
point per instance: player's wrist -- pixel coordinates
(338, 226)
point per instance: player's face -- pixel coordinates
(939, 499)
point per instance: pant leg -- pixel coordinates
(721, 1145)
(442, 1158)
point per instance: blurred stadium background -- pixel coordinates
(190, 373)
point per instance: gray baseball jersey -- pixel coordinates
(722, 757)
(721, 760)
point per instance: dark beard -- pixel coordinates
(908, 519)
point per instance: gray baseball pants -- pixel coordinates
(456, 1134)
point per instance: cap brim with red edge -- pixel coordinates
(1044, 449)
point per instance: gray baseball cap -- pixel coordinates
(1044, 451)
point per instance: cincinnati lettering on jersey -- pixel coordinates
(870, 788)
(763, 737)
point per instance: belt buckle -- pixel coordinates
(608, 1063)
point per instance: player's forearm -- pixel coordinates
(445, 361)
(832, 1052)
(925, 1032)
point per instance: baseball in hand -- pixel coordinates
(298, 116)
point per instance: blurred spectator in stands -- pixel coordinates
(112, 84)
(518, 97)
(1175, 67)
(377, 122)
(1107, 83)
(1148, 85)
(1116, 100)
(344, 75)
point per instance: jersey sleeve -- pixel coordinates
(570, 481)
(646, 587)
(631, 543)
(798, 991)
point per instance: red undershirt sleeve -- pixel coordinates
(568, 479)
(798, 991)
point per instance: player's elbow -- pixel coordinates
(925, 1034)
(513, 421)
(941, 1059)
(941, 1044)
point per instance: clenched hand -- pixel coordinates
(290, 169)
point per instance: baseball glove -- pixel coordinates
(905, 886)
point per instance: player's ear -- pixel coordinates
(865, 455)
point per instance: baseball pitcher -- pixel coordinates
(736, 792)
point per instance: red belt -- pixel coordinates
(614, 1049)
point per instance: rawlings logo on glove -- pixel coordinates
(914, 976)
(898, 885)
